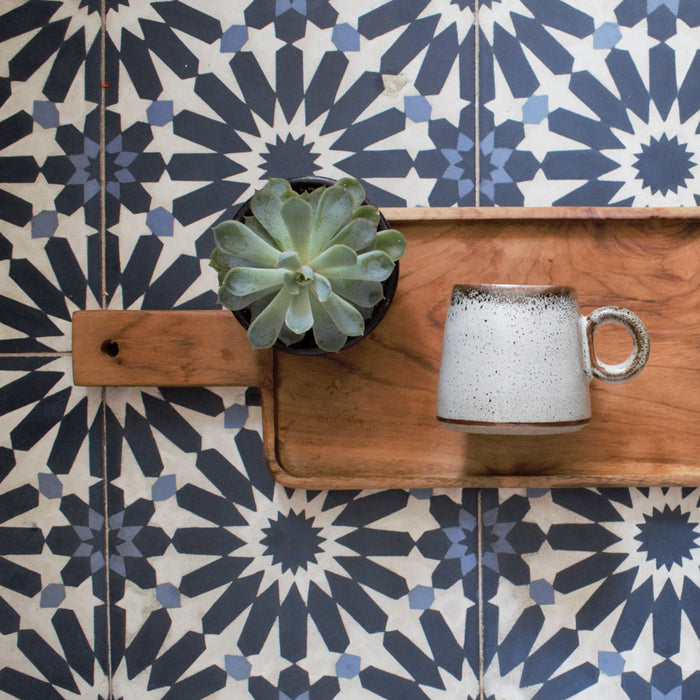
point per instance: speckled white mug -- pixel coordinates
(518, 359)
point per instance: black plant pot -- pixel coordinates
(307, 344)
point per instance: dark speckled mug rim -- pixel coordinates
(512, 291)
(515, 288)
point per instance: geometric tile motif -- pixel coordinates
(603, 106)
(608, 599)
(43, 284)
(53, 596)
(223, 579)
(49, 203)
(148, 516)
(230, 98)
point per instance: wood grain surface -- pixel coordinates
(164, 348)
(365, 418)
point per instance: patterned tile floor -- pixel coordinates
(144, 550)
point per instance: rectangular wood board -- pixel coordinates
(365, 418)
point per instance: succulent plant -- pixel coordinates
(305, 261)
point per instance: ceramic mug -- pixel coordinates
(519, 359)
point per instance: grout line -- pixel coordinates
(480, 592)
(477, 202)
(105, 494)
(103, 157)
(56, 353)
(477, 106)
(103, 274)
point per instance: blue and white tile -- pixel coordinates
(53, 593)
(49, 196)
(576, 111)
(222, 579)
(594, 593)
(214, 106)
(602, 598)
(175, 523)
(594, 105)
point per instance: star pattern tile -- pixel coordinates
(145, 550)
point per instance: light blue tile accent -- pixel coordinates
(238, 667)
(44, 224)
(167, 595)
(45, 114)
(348, 666)
(535, 109)
(417, 108)
(52, 595)
(50, 485)
(346, 38)
(656, 4)
(606, 36)
(234, 39)
(610, 663)
(235, 416)
(421, 597)
(161, 112)
(282, 6)
(164, 487)
(161, 222)
(541, 592)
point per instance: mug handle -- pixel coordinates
(640, 353)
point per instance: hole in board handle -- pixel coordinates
(110, 348)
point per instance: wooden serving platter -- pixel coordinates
(365, 418)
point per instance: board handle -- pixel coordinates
(164, 348)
